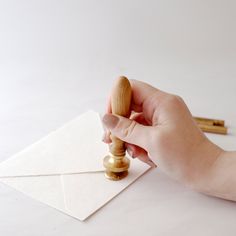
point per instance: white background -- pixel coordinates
(60, 58)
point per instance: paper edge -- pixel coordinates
(134, 181)
(128, 185)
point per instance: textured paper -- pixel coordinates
(76, 147)
(64, 170)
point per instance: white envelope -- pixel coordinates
(65, 169)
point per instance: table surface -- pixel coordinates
(59, 59)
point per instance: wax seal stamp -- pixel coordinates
(116, 163)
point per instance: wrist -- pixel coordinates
(220, 180)
(203, 166)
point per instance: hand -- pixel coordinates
(161, 130)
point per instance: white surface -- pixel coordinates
(64, 169)
(59, 58)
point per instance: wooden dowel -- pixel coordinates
(213, 129)
(207, 121)
(120, 105)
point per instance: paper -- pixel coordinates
(64, 170)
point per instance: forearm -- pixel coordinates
(219, 179)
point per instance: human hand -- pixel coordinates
(161, 130)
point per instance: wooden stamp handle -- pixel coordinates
(120, 105)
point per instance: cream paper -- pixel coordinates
(64, 170)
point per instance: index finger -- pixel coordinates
(141, 94)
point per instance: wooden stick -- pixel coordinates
(120, 105)
(207, 121)
(213, 129)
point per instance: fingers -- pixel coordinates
(108, 107)
(139, 117)
(141, 154)
(106, 137)
(133, 150)
(128, 130)
(140, 93)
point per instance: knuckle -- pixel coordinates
(180, 99)
(159, 140)
(128, 130)
(175, 100)
(154, 138)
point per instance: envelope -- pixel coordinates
(65, 169)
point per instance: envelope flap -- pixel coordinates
(74, 148)
(78, 195)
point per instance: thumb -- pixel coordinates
(128, 130)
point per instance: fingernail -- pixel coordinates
(151, 163)
(106, 137)
(110, 121)
(131, 152)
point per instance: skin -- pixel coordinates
(162, 132)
